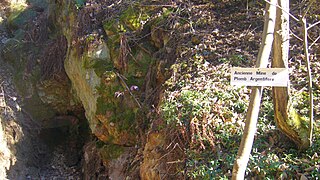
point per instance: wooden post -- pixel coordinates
(244, 151)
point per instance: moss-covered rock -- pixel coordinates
(108, 73)
(39, 79)
(113, 71)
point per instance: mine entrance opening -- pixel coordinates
(54, 137)
(64, 139)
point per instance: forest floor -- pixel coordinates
(219, 36)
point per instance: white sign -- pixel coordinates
(260, 77)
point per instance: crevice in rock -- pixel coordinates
(38, 151)
(43, 127)
(64, 144)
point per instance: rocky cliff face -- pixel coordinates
(37, 51)
(113, 69)
(106, 58)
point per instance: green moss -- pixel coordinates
(87, 63)
(124, 118)
(107, 92)
(101, 89)
(100, 66)
(131, 80)
(138, 62)
(111, 151)
(122, 115)
(103, 106)
(132, 18)
(299, 124)
(113, 27)
(107, 101)
(138, 68)
(114, 43)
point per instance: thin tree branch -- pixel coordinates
(296, 36)
(308, 8)
(311, 26)
(307, 59)
(314, 42)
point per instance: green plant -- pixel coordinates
(238, 60)
(199, 99)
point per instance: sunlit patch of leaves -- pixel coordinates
(288, 163)
(197, 90)
(300, 101)
(199, 97)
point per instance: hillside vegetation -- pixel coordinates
(151, 80)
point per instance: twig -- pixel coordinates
(128, 89)
(306, 57)
(296, 36)
(173, 148)
(134, 59)
(173, 6)
(311, 26)
(247, 7)
(174, 162)
(113, 4)
(308, 8)
(314, 42)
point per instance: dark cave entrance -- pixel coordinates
(63, 144)
(61, 127)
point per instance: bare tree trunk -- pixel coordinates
(285, 115)
(242, 159)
